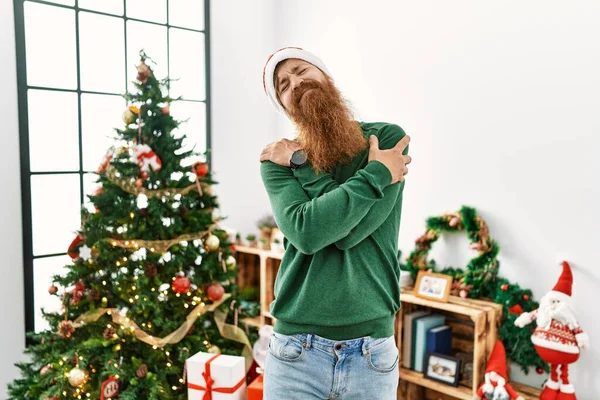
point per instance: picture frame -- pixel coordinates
(433, 286)
(442, 368)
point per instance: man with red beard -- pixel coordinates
(558, 336)
(336, 195)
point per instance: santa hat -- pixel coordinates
(282, 55)
(562, 289)
(497, 361)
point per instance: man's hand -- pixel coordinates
(393, 158)
(280, 152)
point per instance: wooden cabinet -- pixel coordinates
(475, 321)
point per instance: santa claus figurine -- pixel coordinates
(558, 337)
(496, 386)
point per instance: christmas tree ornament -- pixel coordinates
(143, 212)
(496, 386)
(109, 388)
(558, 337)
(214, 349)
(52, 289)
(144, 72)
(525, 297)
(504, 287)
(201, 169)
(73, 250)
(110, 333)
(166, 110)
(215, 292)
(85, 253)
(150, 270)
(66, 329)
(212, 242)
(138, 183)
(231, 262)
(77, 377)
(181, 284)
(146, 159)
(128, 117)
(45, 369)
(142, 371)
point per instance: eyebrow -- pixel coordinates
(280, 81)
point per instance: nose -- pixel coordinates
(296, 82)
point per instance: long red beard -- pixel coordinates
(326, 130)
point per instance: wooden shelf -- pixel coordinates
(460, 392)
(278, 255)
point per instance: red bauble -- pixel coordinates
(181, 284)
(215, 292)
(516, 309)
(525, 297)
(539, 370)
(138, 183)
(166, 110)
(504, 287)
(201, 169)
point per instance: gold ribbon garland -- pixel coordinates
(158, 245)
(228, 331)
(128, 185)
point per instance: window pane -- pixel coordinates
(55, 212)
(100, 114)
(65, 2)
(43, 271)
(107, 6)
(155, 10)
(50, 44)
(187, 13)
(187, 64)
(102, 48)
(53, 131)
(153, 40)
(195, 127)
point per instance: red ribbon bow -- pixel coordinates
(210, 381)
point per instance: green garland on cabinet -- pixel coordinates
(480, 280)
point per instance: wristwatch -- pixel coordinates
(298, 159)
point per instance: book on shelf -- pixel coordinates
(439, 340)
(422, 325)
(408, 336)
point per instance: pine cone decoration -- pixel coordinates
(150, 270)
(190, 331)
(143, 212)
(109, 333)
(66, 329)
(142, 371)
(183, 211)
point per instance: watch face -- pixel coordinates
(299, 157)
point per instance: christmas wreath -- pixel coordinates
(480, 279)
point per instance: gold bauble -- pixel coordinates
(212, 242)
(77, 377)
(128, 116)
(214, 349)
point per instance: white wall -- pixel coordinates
(243, 122)
(501, 101)
(12, 317)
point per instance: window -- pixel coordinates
(75, 59)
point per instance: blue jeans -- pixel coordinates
(307, 366)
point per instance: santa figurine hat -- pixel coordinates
(497, 361)
(282, 55)
(563, 288)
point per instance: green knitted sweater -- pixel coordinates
(339, 276)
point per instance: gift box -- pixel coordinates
(216, 377)
(255, 389)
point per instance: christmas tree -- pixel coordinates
(153, 275)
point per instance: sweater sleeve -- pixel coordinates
(316, 185)
(312, 224)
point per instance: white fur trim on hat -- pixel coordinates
(567, 388)
(560, 296)
(279, 56)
